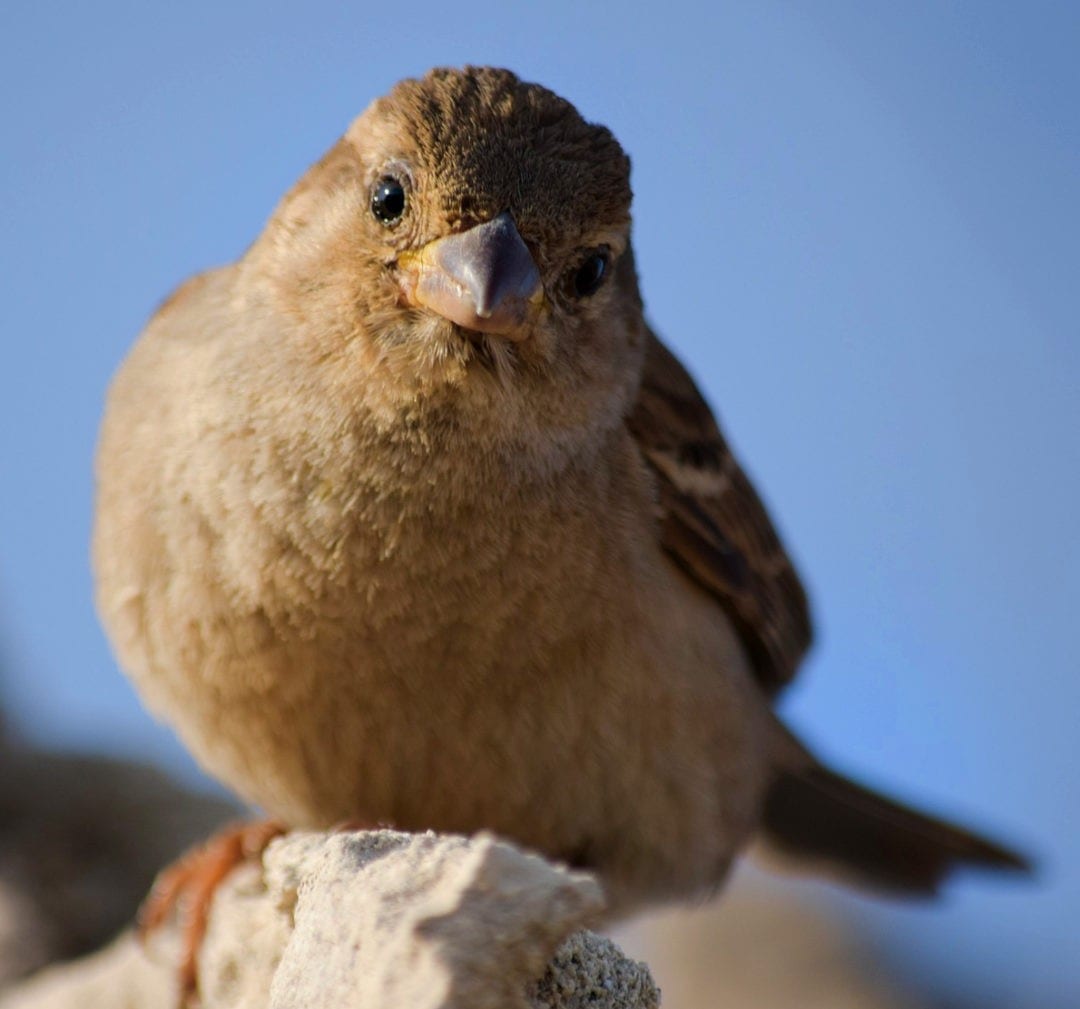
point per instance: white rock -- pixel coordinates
(381, 920)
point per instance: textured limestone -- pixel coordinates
(377, 919)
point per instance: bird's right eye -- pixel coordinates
(388, 201)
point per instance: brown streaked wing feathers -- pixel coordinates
(713, 523)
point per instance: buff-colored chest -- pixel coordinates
(340, 635)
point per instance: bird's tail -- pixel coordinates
(817, 815)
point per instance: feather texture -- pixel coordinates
(713, 523)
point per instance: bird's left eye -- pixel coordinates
(586, 278)
(388, 200)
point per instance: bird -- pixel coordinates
(408, 517)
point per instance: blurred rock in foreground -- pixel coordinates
(81, 839)
(759, 945)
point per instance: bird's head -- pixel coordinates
(466, 245)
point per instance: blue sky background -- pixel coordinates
(860, 225)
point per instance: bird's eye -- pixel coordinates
(586, 278)
(388, 200)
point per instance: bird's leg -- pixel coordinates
(187, 887)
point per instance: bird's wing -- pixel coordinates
(712, 522)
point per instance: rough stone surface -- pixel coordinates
(81, 837)
(590, 971)
(379, 920)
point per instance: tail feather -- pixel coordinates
(814, 813)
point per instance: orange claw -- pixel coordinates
(187, 887)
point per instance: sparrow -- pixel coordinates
(408, 517)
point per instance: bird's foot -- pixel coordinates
(187, 887)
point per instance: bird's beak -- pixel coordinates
(483, 279)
